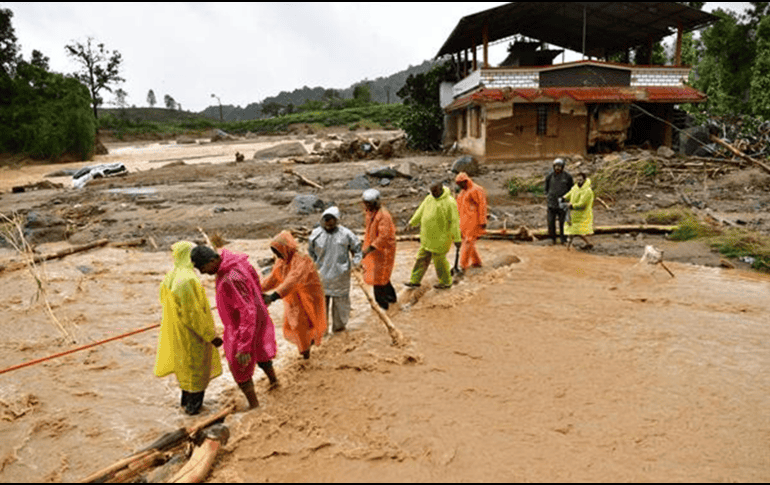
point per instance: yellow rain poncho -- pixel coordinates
(187, 328)
(582, 213)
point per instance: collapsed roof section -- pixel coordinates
(610, 27)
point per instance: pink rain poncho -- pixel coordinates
(248, 327)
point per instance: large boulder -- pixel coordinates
(290, 149)
(306, 204)
(359, 183)
(466, 164)
(41, 227)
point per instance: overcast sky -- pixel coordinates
(245, 52)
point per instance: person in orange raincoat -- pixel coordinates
(472, 204)
(295, 280)
(379, 249)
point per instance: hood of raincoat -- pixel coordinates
(230, 260)
(182, 263)
(285, 244)
(331, 211)
(462, 177)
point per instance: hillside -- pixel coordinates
(383, 90)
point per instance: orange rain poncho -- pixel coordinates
(472, 204)
(295, 279)
(187, 328)
(381, 235)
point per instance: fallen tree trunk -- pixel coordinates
(524, 234)
(131, 466)
(395, 334)
(56, 255)
(739, 153)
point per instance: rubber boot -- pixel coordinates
(251, 395)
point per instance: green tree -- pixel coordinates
(424, 118)
(9, 47)
(760, 72)
(272, 109)
(120, 98)
(98, 68)
(727, 52)
(169, 102)
(362, 94)
(151, 100)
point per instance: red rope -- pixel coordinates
(77, 349)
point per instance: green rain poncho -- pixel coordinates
(439, 221)
(187, 329)
(582, 213)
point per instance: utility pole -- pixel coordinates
(221, 118)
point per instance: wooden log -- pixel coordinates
(543, 233)
(175, 438)
(200, 463)
(739, 153)
(304, 179)
(57, 255)
(395, 334)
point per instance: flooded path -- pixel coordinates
(563, 367)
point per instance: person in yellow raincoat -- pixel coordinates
(581, 206)
(187, 341)
(439, 222)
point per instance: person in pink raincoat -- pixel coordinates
(249, 337)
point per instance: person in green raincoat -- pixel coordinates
(581, 206)
(187, 341)
(439, 221)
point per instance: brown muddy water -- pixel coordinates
(577, 367)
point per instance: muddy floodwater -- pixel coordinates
(565, 366)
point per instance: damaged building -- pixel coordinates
(528, 107)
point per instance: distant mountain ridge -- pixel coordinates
(383, 90)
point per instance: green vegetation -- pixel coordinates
(423, 120)
(738, 243)
(621, 176)
(532, 185)
(163, 122)
(731, 242)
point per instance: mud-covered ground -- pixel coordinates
(566, 366)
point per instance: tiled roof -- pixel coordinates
(650, 94)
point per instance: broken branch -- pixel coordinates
(739, 153)
(304, 179)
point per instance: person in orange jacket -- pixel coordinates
(295, 280)
(472, 204)
(379, 249)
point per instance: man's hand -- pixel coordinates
(483, 226)
(243, 359)
(270, 297)
(367, 250)
(217, 342)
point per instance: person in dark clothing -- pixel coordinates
(557, 184)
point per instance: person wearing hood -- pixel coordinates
(187, 340)
(379, 249)
(249, 338)
(472, 204)
(295, 280)
(557, 183)
(439, 222)
(331, 246)
(581, 205)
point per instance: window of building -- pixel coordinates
(542, 119)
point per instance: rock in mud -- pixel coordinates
(291, 149)
(306, 204)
